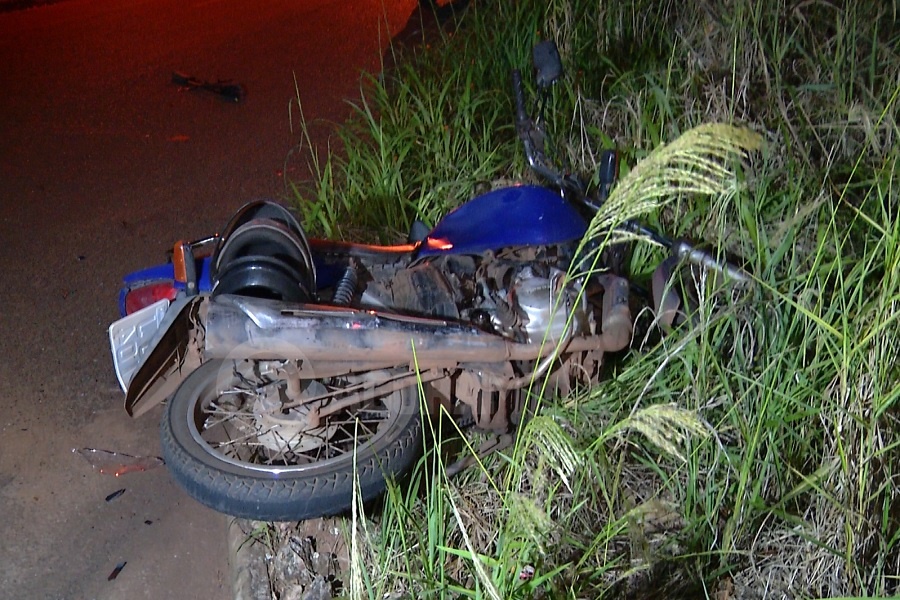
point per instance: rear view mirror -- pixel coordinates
(547, 63)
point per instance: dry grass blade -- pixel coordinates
(483, 577)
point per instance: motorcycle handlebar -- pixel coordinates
(706, 260)
(691, 253)
(608, 174)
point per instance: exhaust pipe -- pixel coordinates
(238, 327)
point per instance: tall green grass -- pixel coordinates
(753, 455)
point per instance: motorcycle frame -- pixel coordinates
(325, 341)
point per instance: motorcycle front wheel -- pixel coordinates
(230, 443)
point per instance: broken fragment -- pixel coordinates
(115, 495)
(225, 90)
(117, 463)
(117, 570)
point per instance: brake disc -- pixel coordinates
(288, 430)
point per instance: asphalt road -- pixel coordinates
(104, 163)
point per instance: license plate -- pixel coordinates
(131, 338)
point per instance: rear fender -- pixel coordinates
(176, 354)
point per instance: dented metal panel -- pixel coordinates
(174, 357)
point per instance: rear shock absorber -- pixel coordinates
(346, 287)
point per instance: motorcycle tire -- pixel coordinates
(282, 492)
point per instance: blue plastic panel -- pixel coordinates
(525, 215)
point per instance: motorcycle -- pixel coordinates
(296, 370)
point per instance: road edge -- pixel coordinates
(247, 562)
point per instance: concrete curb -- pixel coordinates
(247, 561)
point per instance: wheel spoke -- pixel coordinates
(286, 451)
(251, 420)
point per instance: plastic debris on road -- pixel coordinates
(115, 495)
(117, 463)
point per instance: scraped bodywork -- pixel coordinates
(177, 354)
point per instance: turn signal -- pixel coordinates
(179, 261)
(184, 266)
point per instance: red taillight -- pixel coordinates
(141, 297)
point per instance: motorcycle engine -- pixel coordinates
(521, 294)
(524, 295)
(545, 305)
